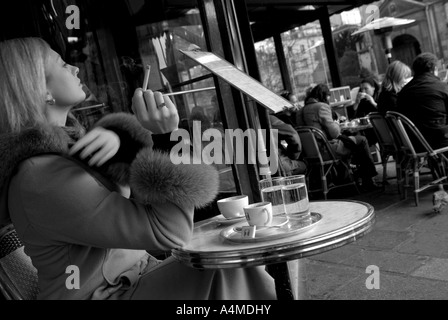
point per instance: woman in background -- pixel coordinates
(366, 98)
(366, 103)
(317, 113)
(397, 75)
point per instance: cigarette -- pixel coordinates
(187, 91)
(146, 81)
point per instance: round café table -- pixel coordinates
(341, 222)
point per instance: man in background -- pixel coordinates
(424, 100)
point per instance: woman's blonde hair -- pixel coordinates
(23, 87)
(395, 74)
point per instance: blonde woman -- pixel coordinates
(58, 186)
(397, 75)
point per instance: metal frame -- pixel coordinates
(313, 157)
(388, 145)
(413, 159)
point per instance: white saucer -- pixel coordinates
(229, 221)
(277, 222)
(281, 227)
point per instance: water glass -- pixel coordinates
(295, 200)
(274, 196)
(266, 183)
(300, 178)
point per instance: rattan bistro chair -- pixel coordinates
(18, 277)
(416, 153)
(314, 146)
(386, 141)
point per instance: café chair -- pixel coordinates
(18, 277)
(314, 146)
(386, 141)
(416, 153)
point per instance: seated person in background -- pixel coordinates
(289, 155)
(424, 100)
(366, 103)
(366, 98)
(397, 75)
(291, 97)
(288, 114)
(317, 113)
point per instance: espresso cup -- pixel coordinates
(259, 214)
(233, 207)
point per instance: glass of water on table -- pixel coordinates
(271, 191)
(295, 198)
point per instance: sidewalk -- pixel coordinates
(408, 244)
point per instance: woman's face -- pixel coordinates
(367, 88)
(62, 82)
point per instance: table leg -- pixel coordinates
(290, 279)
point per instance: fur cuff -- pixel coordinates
(133, 138)
(125, 122)
(155, 179)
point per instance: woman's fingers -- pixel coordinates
(160, 101)
(151, 105)
(138, 104)
(84, 141)
(99, 144)
(103, 155)
(155, 112)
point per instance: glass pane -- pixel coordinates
(268, 65)
(343, 25)
(306, 58)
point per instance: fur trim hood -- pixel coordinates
(152, 176)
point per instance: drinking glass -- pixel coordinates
(295, 200)
(266, 183)
(300, 178)
(274, 196)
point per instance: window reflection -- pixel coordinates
(268, 64)
(306, 60)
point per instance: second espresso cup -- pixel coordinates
(259, 214)
(232, 207)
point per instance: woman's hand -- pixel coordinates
(155, 112)
(360, 96)
(99, 144)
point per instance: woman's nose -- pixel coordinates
(75, 70)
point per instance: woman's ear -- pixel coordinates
(49, 99)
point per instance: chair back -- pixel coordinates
(383, 131)
(409, 139)
(18, 277)
(315, 145)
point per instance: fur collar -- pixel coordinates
(14, 148)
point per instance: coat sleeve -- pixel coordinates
(332, 128)
(64, 203)
(288, 133)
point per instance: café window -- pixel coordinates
(306, 59)
(268, 65)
